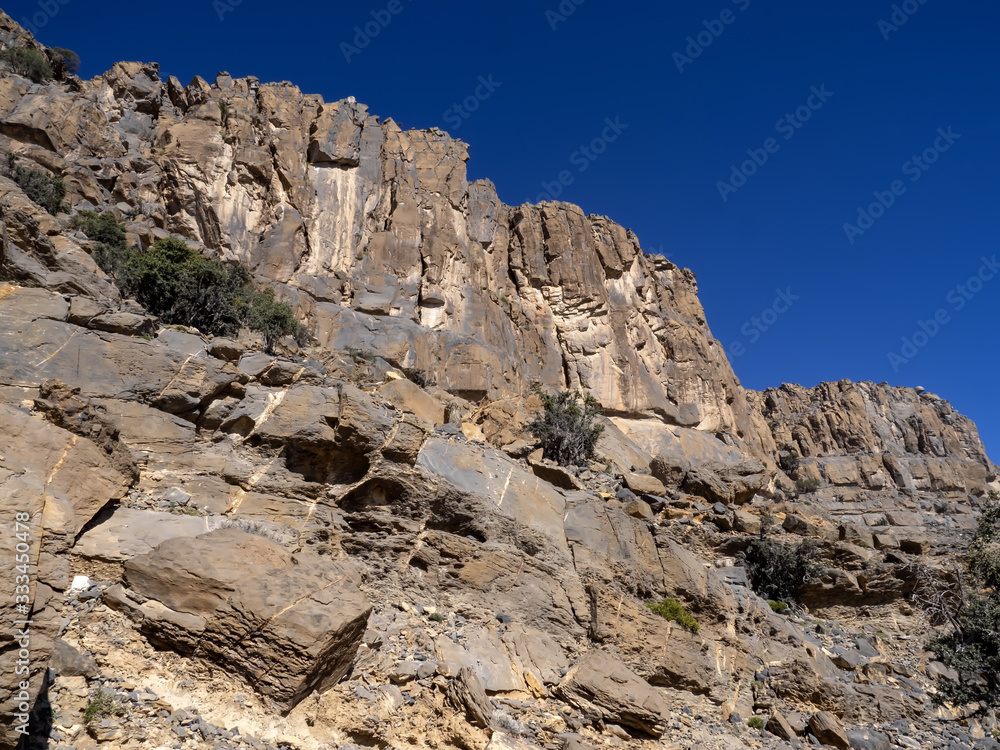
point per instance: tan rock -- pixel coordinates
(827, 729)
(601, 684)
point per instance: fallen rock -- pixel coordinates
(778, 725)
(466, 693)
(827, 729)
(602, 685)
(556, 475)
(125, 323)
(643, 484)
(290, 623)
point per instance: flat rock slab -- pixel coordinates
(131, 532)
(603, 685)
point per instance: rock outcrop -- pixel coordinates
(357, 537)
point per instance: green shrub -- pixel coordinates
(807, 485)
(28, 62)
(436, 617)
(778, 571)
(69, 57)
(673, 610)
(101, 705)
(566, 428)
(777, 606)
(272, 318)
(181, 287)
(103, 228)
(44, 189)
(971, 646)
(755, 722)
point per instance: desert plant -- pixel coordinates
(101, 705)
(436, 617)
(673, 610)
(807, 485)
(28, 62)
(103, 228)
(566, 428)
(776, 606)
(69, 57)
(755, 722)
(272, 318)
(44, 189)
(971, 643)
(178, 285)
(778, 571)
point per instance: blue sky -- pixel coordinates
(793, 294)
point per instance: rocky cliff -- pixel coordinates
(354, 541)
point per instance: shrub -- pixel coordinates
(181, 287)
(673, 610)
(436, 617)
(28, 62)
(566, 428)
(755, 722)
(44, 189)
(971, 646)
(272, 318)
(103, 228)
(778, 571)
(69, 57)
(777, 606)
(807, 485)
(101, 705)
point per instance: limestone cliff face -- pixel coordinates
(383, 244)
(875, 437)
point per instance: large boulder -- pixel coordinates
(602, 685)
(289, 623)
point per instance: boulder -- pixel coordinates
(726, 483)
(827, 729)
(125, 323)
(778, 726)
(289, 623)
(643, 484)
(600, 684)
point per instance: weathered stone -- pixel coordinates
(778, 725)
(643, 484)
(601, 684)
(827, 729)
(465, 692)
(289, 623)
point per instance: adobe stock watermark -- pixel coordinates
(222, 7)
(704, 39)
(914, 169)
(47, 10)
(456, 114)
(562, 12)
(363, 35)
(582, 158)
(901, 13)
(757, 326)
(957, 298)
(787, 127)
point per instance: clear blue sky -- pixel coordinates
(781, 230)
